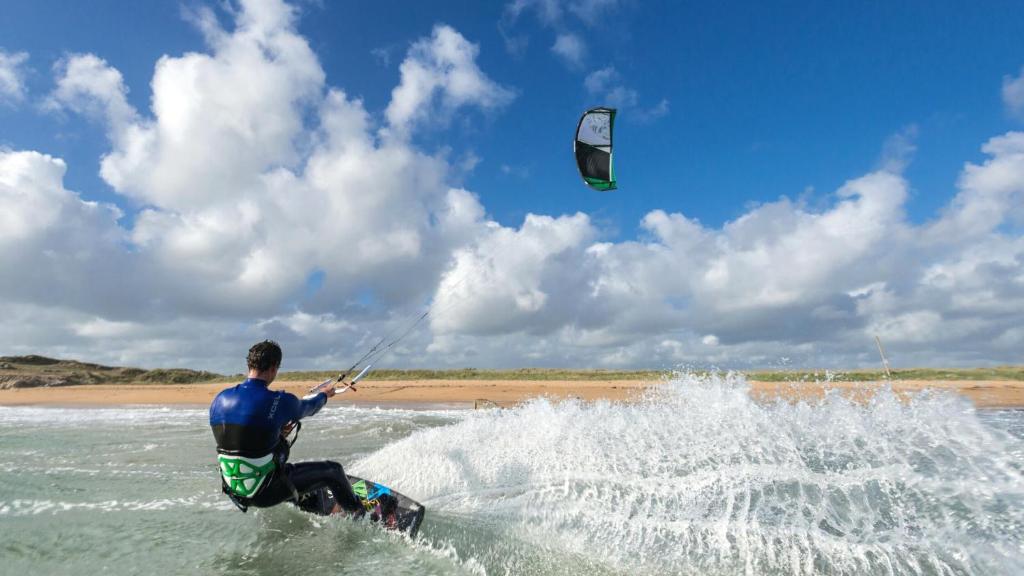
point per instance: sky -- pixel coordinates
(182, 179)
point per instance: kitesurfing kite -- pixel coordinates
(593, 148)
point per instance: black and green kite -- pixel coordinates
(593, 148)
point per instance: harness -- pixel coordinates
(243, 477)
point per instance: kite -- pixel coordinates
(593, 148)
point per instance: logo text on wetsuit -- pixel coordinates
(273, 407)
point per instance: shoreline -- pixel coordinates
(467, 393)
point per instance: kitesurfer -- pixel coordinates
(251, 424)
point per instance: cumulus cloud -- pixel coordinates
(899, 149)
(569, 46)
(244, 198)
(88, 85)
(990, 194)
(511, 280)
(56, 248)
(548, 11)
(571, 49)
(245, 195)
(590, 11)
(606, 83)
(12, 76)
(382, 55)
(1013, 94)
(288, 211)
(440, 74)
(653, 113)
(781, 281)
(552, 12)
(599, 80)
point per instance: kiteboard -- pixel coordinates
(392, 510)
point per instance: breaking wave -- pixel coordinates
(696, 478)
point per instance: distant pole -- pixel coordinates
(885, 361)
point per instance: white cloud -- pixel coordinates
(899, 149)
(245, 199)
(591, 11)
(208, 140)
(510, 280)
(569, 46)
(653, 113)
(12, 76)
(31, 187)
(990, 194)
(918, 326)
(311, 325)
(283, 212)
(781, 280)
(103, 328)
(382, 55)
(600, 80)
(1013, 94)
(571, 49)
(548, 11)
(552, 12)
(56, 248)
(88, 85)
(247, 193)
(606, 84)
(516, 171)
(816, 248)
(442, 67)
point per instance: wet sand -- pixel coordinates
(469, 393)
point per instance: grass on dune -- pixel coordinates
(1013, 373)
(477, 374)
(950, 374)
(29, 371)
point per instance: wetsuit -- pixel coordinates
(247, 423)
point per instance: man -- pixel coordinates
(251, 423)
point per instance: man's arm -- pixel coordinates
(311, 404)
(301, 408)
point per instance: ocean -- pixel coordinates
(695, 478)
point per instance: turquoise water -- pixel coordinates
(696, 479)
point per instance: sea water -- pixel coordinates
(695, 478)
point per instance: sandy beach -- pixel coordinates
(469, 393)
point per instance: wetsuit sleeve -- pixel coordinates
(307, 406)
(312, 404)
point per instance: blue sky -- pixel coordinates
(724, 108)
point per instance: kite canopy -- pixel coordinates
(594, 148)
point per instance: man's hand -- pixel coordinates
(286, 430)
(327, 387)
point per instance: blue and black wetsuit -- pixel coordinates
(247, 423)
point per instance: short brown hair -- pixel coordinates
(264, 356)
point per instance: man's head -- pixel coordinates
(264, 358)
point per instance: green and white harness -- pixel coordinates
(244, 476)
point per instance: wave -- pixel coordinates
(697, 477)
